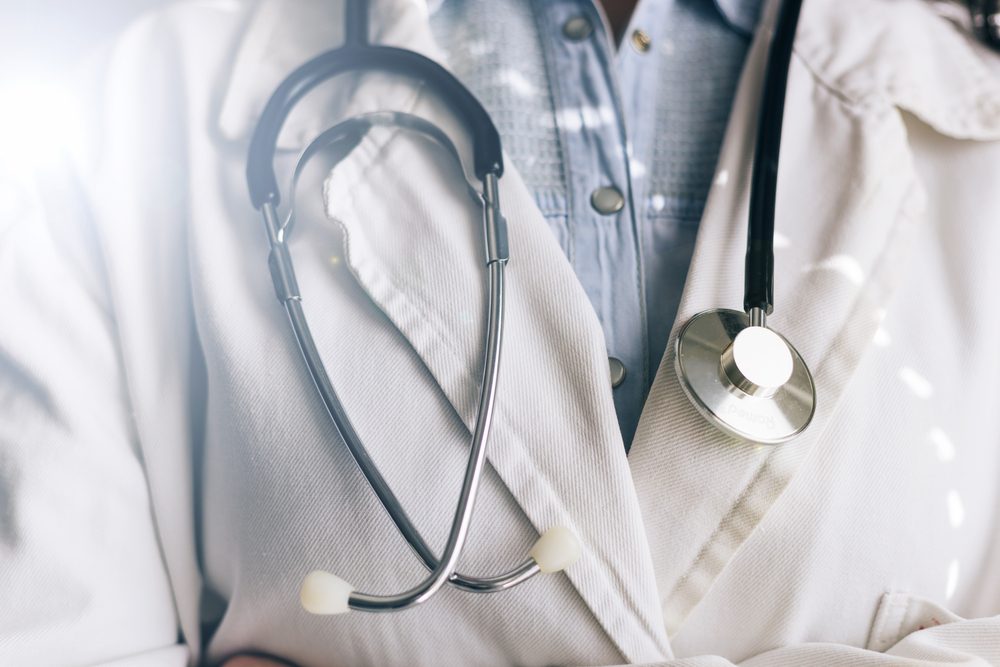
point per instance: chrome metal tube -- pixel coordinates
(283, 275)
(378, 484)
(441, 574)
(494, 225)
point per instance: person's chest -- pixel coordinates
(689, 536)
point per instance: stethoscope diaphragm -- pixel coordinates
(747, 380)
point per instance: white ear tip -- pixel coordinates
(556, 549)
(325, 593)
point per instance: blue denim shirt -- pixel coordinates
(647, 119)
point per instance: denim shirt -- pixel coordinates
(618, 146)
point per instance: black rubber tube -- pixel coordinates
(356, 23)
(759, 276)
(261, 180)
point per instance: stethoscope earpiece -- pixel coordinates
(744, 378)
(326, 594)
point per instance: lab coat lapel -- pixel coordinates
(413, 239)
(847, 198)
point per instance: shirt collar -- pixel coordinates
(742, 15)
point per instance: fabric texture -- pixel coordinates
(168, 474)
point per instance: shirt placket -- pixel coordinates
(637, 65)
(603, 240)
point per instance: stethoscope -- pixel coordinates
(744, 377)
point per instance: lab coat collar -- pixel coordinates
(906, 55)
(888, 60)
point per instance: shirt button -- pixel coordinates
(641, 41)
(577, 28)
(607, 200)
(617, 372)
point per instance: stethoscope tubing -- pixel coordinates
(261, 178)
(357, 55)
(759, 273)
(442, 570)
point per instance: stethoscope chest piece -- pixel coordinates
(746, 380)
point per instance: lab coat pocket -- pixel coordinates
(900, 614)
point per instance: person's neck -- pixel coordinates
(618, 12)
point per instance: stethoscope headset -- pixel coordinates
(742, 376)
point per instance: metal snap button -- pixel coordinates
(607, 200)
(577, 28)
(617, 369)
(641, 41)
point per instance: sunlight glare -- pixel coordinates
(41, 123)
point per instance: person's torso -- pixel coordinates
(694, 543)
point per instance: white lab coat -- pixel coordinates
(165, 461)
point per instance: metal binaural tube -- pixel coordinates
(445, 568)
(495, 227)
(283, 277)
